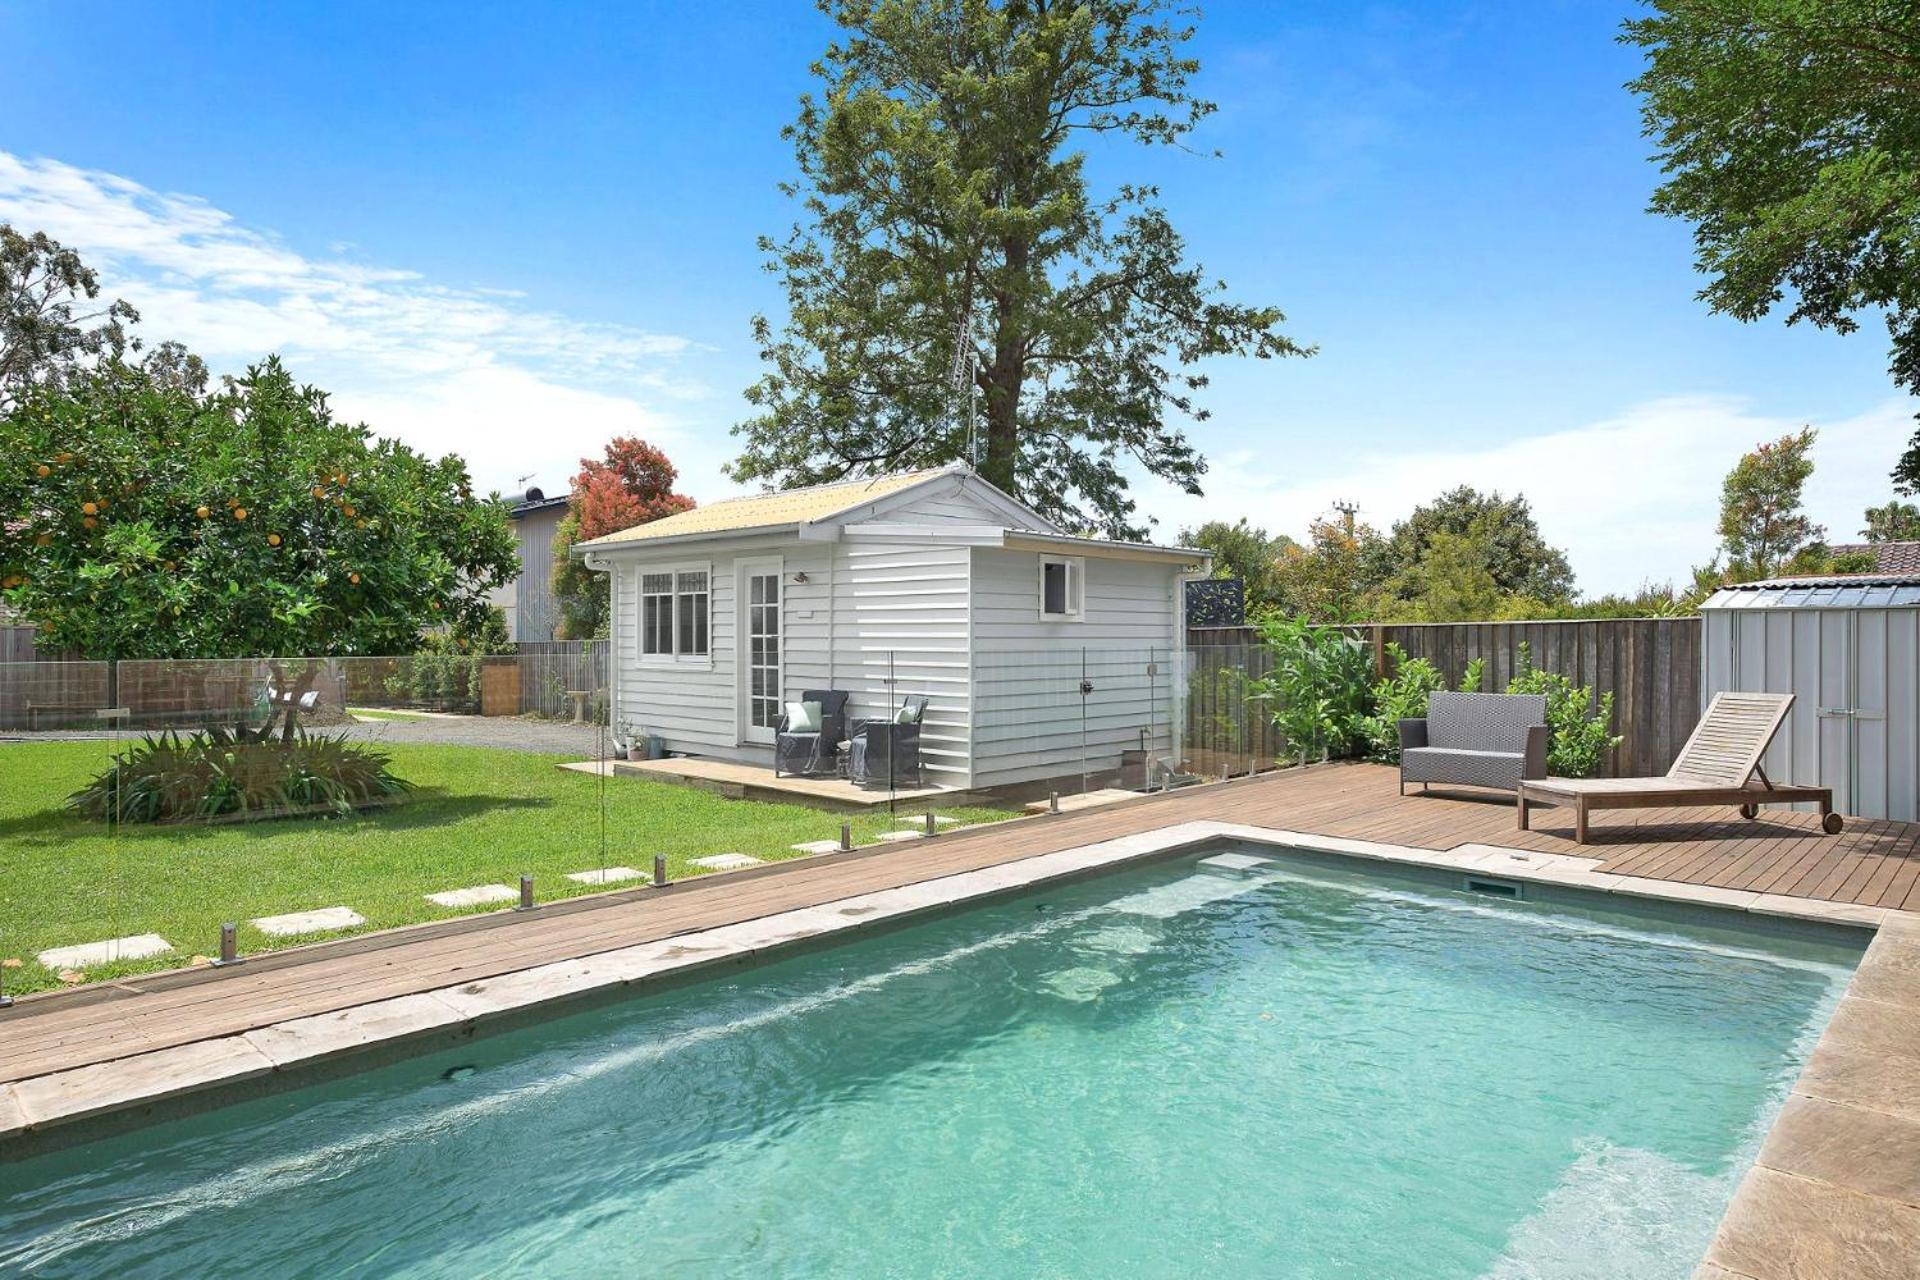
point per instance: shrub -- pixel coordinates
(220, 772)
(1401, 696)
(1319, 688)
(1580, 722)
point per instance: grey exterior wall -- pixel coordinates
(1856, 687)
(1032, 721)
(535, 614)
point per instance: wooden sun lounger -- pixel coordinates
(1720, 764)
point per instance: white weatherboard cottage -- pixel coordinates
(1035, 648)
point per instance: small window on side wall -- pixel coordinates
(1061, 587)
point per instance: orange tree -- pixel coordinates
(140, 518)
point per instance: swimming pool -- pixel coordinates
(1218, 1065)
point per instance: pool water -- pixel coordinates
(1181, 1070)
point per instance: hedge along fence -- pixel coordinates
(1650, 665)
(186, 694)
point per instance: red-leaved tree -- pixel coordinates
(631, 484)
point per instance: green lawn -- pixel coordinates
(480, 816)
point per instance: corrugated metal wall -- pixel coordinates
(1856, 697)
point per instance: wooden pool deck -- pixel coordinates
(1834, 1193)
(1870, 866)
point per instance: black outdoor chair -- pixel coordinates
(805, 754)
(886, 753)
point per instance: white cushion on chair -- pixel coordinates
(908, 714)
(803, 717)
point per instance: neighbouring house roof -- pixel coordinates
(1834, 591)
(522, 505)
(1889, 557)
(770, 510)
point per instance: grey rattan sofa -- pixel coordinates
(1476, 740)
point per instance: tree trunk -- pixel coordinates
(1002, 379)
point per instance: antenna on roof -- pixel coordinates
(966, 363)
(522, 481)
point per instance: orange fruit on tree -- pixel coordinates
(354, 578)
(348, 511)
(89, 509)
(239, 513)
(43, 471)
(273, 539)
(203, 511)
(89, 522)
(318, 492)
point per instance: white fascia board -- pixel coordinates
(982, 535)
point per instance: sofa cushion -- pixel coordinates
(1472, 768)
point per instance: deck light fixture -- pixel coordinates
(659, 870)
(933, 824)
(229, 945)
(846, 836)
(526, 893)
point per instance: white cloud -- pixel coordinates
(471, 370)
(1632, 499)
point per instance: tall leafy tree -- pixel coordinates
(951, 245)
(1241, 550)
(1518, 558)
(1334, 577)
(629, 484)
(1787, 132)
(141, 519)
(1763, 527)
(1892, 522)
(52, 319)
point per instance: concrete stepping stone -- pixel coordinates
(895, 837)
(815, 846)
(605, 875)
(325, 920)
(478, 895)
(88, 954)
(728, 861)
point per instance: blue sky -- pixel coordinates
(514, 231)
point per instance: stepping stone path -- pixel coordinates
(605, 875)
(325, 920)
(479, 895)
(894, 837)
(728, 861)
(138, 947)
(815, 846)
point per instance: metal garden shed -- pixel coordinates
(1848, 649)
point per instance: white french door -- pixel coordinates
(757, 596)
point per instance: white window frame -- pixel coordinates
(1076, 567)
(675, 655)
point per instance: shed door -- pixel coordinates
(1836, 724)
(758, 594)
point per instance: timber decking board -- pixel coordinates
(1875, 863)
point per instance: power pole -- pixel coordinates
(1348, 510)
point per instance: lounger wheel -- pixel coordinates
(1749, 810)
(1831, 824)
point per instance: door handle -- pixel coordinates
(1836, 711)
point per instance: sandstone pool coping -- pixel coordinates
(1834, 1193)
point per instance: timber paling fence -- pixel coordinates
(150, 694)
(1650, 665)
